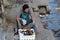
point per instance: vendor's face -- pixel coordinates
(26, 10)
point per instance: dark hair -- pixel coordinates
(25, 6)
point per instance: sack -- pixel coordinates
(24, 22)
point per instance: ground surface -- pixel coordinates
(44, 34)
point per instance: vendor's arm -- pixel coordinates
(31, 14)
(18, 18)
(32, 17)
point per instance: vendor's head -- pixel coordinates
(25, 8)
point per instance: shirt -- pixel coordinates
(25, 14)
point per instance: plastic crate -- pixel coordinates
(26, 37)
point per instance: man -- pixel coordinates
(25, 14)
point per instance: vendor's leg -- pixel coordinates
(34, 27)
(19, 27)
(29, 21)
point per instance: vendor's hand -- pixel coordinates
(21, 30)
(33, 23)
(19, 24)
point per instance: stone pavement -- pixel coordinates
(43, 35)
(0, 28)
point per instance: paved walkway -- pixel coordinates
(43, 35)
